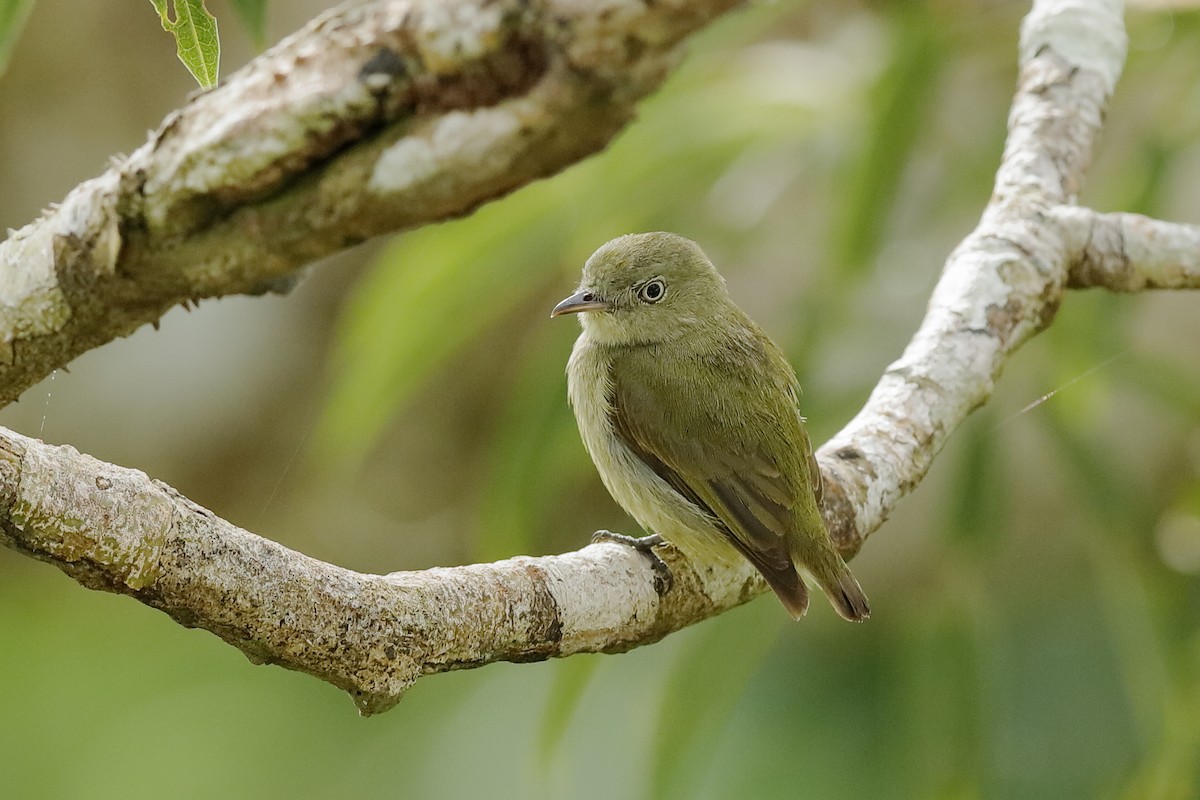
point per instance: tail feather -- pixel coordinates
(790, 590)
(847, 597)
(785, 580)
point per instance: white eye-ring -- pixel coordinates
(653, 291)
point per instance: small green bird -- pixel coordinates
(690, 413)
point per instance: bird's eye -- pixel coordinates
(653, 291)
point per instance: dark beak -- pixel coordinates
(583, 300)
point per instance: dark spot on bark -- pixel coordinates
(635, 48)
(281, 285)
(1003, 320)
(507, 72)
(385, 62)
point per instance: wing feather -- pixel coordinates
(721, 463)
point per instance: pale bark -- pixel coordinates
(308, 149)
(1129, 252)
(376, 117)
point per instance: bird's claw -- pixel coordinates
(663, 579)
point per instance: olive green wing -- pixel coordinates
(816, 482)
(725, 445)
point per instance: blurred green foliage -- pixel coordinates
(1036, 599)
(253, 16)
(13, 14)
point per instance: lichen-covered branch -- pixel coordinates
(378, 116)
(116, 529)
(434, 109)
(1129, 252)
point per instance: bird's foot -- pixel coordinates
(663, 580)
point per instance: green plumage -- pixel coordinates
(690, 412)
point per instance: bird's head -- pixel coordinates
(644, 288)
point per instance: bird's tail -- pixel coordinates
(777, 568)
(790, 590)
(844, 593)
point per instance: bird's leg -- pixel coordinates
(663, 580)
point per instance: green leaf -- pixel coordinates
(253, 14)
(196, 41)
(13, 14)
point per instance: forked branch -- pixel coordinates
(386, 115)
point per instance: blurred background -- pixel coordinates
(1036, 599)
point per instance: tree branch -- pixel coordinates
(1004, 282)
(1129, 252)
(116, 529)
(376, 117)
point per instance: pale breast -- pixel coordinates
(644, 495)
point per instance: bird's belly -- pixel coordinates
(654, 504)
(643, 494)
